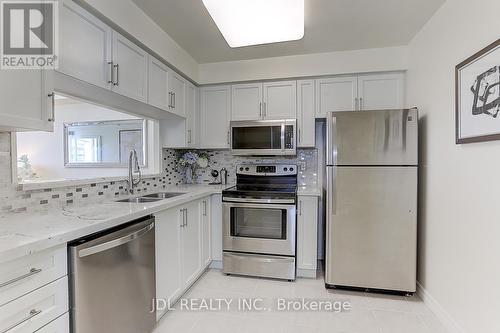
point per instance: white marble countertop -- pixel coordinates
(30, 232)
(312, 191)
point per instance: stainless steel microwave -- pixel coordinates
(263, 137)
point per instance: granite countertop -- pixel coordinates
(30, 232)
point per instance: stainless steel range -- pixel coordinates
(259, 221)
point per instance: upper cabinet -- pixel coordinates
(246, 101)
(306, 120)
(364, 92)
(27, 101)
(379, 92)
(130, 69)
(85, 46)
(215, 110)
(176, 86)
(191, 106)
(158, 84)
(273, 100)
(335, 94)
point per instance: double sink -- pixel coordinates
(152, 197)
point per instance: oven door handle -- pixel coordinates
(264, 201)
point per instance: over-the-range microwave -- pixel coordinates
(263, 137)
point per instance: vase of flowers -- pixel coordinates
(191, 161)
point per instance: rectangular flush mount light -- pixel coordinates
(253, 22)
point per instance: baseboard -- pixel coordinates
(446, 319)
(216, 264)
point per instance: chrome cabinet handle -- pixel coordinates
(260, 110)
(300, 135)
(117, 70)
(182, 222)
(204, 208)
(33, 313)
(189, 136)
(170, 99)
(361, 103)
(300, 208)
(229, 137)
(264, 109)
(355, 104)
(185, 217)
(52, 97)
(111, 72)
(116, 242)
(32, 272)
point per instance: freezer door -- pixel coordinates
(372, 227)
(383, 137)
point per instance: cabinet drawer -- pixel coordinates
(36, 309)
(60, 325)
(21, 276)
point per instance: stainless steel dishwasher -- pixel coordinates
(112, 280)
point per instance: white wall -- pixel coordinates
(459, 231)
(345, 62)
(46, 149)
(129, 17)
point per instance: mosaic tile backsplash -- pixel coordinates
(12, 199)
(306, 160)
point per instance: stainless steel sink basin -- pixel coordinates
(139, 200)
(163, 195)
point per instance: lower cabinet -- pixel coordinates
(307, 236)
(183, 249)
(60, 325)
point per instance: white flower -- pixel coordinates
(202, 162)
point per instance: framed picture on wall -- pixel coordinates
(477, 95)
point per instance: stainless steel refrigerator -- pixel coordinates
(371, 208)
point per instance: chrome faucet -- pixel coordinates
(133, 167)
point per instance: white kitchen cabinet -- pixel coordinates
(36, 309)
(176, 86)
(307, 236)
(246, 101)
(216, 225)
(60, 325)
(191, 105)
(158, 84)
(27, 101)
(280, 100)
(336, 94)
(130, 68)
(215, 109)
(168, 256)
(306, 119)
(205, 227)
(85, 46)
(270, 100)
(381, 92)
(190, 242)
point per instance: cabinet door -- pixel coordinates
(216, 225)
(381, 92)
(214, 116)
(336, 94)
(191, 116)
(190, 243)
(168, 247)
(158, 84)
(85, 46)
(130, 64)
(305, 114)
(176, 84)
(27, 103)
(206, 237)
(280, 100)
(246, 101)
(307, 236)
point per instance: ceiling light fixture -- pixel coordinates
(254, 22)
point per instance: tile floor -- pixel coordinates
(369, 313)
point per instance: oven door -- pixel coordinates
(260, 226)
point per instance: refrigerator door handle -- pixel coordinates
(331, 134)
(331, 189)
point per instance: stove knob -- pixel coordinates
(247, 169)
(291, 169)
(241, 169)
(285, 169)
